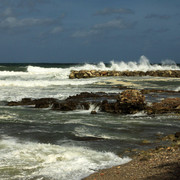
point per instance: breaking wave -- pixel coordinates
(30, 160)
(143, 65)
(63, 73)
(177, 89)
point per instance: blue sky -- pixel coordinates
(89, 30)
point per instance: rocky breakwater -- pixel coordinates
(98, 73)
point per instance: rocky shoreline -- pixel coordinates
(97, 73)
(129, 101)
(162, 162)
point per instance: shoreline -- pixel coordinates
(160, 163)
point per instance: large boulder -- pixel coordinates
(131, 101)
(128, 102)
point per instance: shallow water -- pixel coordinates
(46, 144)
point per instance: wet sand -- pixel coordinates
(157, 164)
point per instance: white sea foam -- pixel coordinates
(85, 132)
(139, 114)
(20, 160)
(177, 89)
(38, 82)
(44, 83)
(63, 73)
(12, 73)
(94, 107)
(143, 65)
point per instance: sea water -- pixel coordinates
(45, 144)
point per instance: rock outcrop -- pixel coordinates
(168, 105)
(38, 103)
(128, 102)
(96, 73)
(54, 104)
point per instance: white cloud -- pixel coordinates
(13, 22)
(110, 11)
(7, 12)
(78, 34)
(158, 16)
(56, 30)
(116, 24)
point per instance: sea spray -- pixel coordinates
(177, 89)
(143, 65)
(93, 107)
(41, 82)
(63, 73)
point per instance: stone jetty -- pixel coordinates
(98, 73)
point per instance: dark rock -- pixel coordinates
(87, 138)
(148, 91)
(177, 135)
(93, 112)
(96, 73)
(168, 105)
(23, 102)
(38, 103)
(64, 106)
(128, 102)
(44, 102)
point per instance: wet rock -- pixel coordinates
(168, 105)
(128, 102)
(70, 105)
(44, 102)
(170, 137)
(131, 101)
(64, 106)
(87, 138)
(93, 112)
(38, 103)
(96, 73)
(148, 91)
(23, 102)
(177, 135)
(92, 96)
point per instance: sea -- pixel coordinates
(42, 144)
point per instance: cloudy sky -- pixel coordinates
(89, 30)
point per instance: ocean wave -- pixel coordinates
(143, 65)
(44, 83)
(34, 160)
(63, 73)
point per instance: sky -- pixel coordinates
(71, 31)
